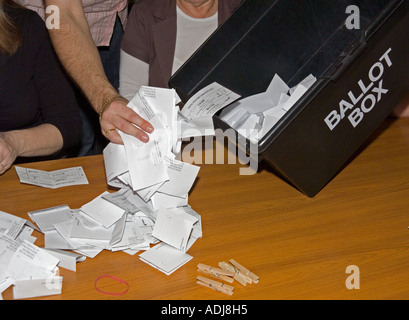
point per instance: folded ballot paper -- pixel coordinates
(32, 271)
(256, 115)
(149, 212)
(52, 179)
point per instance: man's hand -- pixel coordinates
(117, 115)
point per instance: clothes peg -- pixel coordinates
(216, 271)
(242, 279)
(215, 285)
(244, 271)
(219, 277)
(230, 293)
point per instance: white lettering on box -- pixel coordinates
(360, 104)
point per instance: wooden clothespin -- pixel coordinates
(244, 271)
(215, 285)
(242, 279)
(216, 272)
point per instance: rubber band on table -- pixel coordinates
(113, 278)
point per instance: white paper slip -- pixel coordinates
(198, 127)
(132, 238)
(145, 227)
(299, 91)
(276, 88)
(12, 225)
(68, 260)
(120, 199)
(145, 161)
(26, 234)
(54, 240)
(129, 201)
(24, 289)
(197, 227)
(165, 258)
(174, 226)
(167, 201)
(8, 247)
(252, 104)
(182, 175)
(78, 245)
(271, 117)
(208, 101)
(5, 282)
(64, 230)
(254, 116)
(103, 211)
(52, 179)
(30, 261)
(85, 228)
(115, 163)
(162, 101)
(47, 218)
(147, 193)
(307, 82)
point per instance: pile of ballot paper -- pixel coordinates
(148, 212)
(32, 271)
(153, 184)
(150, 209)
(254, 116)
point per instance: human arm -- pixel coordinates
(79, 55)
(39, 115)
(42, 140)
(133, 73)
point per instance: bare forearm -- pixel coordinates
(78, 53)
(42, 140)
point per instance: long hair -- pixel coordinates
(10, 34)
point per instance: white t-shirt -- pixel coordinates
(190, 35)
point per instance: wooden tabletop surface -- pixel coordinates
(300, 247)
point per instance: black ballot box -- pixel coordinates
(360, 63)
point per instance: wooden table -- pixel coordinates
(298, 246)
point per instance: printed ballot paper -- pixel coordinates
(53, 179)
(30, 261)
(31, 270)
(103, 211)
(208, 101)
(46, 219)
(165, 258)
(11, 225)
(174, 226)
(196, 116)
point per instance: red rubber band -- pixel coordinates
(111, 293)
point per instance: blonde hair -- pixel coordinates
(10, 35)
